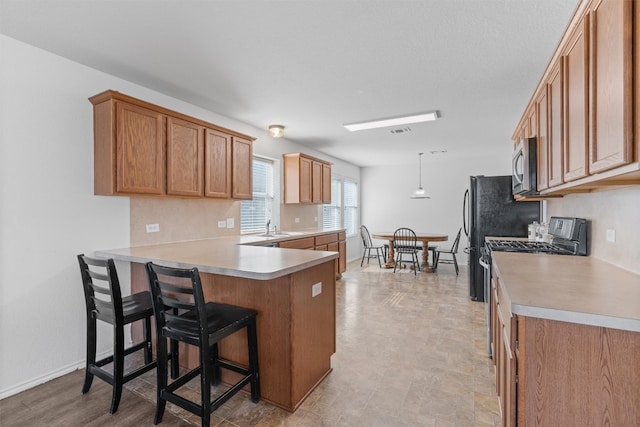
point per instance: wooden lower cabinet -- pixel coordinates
(334, 242)
(552, 373)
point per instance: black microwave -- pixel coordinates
(524, 175)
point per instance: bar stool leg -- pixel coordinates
(252, 340)
(148, 350)
(118, 367)
(161, 345)
(91, 353)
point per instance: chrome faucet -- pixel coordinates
(268, 224)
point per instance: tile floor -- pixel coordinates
(411, 351)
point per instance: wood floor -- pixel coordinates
(411, 351)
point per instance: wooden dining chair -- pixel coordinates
(405, 243)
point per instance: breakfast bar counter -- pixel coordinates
(292, 290)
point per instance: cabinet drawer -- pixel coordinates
(342, 235)
(326, 238)
(306, 243)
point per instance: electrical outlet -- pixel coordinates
(153, 228)
(611, 235)
(297, 220)
(230, 223)
(222, 224)
(316, 289)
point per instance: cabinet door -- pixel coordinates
(242, 167)
(342, 259)
(184, 157)
(610, 142)
(576, 117)
(326, 184)
(305, 180)
(316, 182)
(217, 163)
(542, 144)
(555, 126)
(140, 150)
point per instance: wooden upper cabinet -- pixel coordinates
(611, 109)
(241, 168)
(304, 179)
(555, 126)
(576, 118)
(326, 183)
(185, 157)
(217, 169)
(140, 150)
(542, 110)
(316, 182)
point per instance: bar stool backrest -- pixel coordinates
(177, 291)
(101, 286)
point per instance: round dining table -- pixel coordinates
(425, 238)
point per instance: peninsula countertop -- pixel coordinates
(239, 256)
(574, 289)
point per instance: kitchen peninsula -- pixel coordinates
(293, 291)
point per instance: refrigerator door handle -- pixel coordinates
(465, 212)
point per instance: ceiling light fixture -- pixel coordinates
(276, 131)
(373, 124)
(419, 193)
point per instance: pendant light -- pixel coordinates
(419, 193)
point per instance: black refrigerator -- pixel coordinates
(490, 210)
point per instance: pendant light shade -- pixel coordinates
(419, 193)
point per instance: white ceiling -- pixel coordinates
(314, 65)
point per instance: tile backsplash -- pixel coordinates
(191, 219)
(617, 210)
(181, 219)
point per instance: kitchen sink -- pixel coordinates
(273, 234)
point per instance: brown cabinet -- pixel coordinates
(326, 183)
(576, 119)
(590, 141)
(316, 182)
(611, 56)
(559, 373)
(139, 156)
(184, 158)
(555, 126)
(542, 110)
(217, 152)
(304, 179)
(335, 242)
(503, 344)
(141, 148)
(241, 169)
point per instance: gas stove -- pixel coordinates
(568, 237)
(526, 246)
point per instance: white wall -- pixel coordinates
(445, 177)
(48, 213)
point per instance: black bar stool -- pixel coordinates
(203, 325)
(104, 302)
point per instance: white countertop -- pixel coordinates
(574, 289)
(238, 256)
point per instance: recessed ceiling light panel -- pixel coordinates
(397, 121)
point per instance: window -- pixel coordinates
(255, 213)
(343, 210)
(350, 207)
(332, 213)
